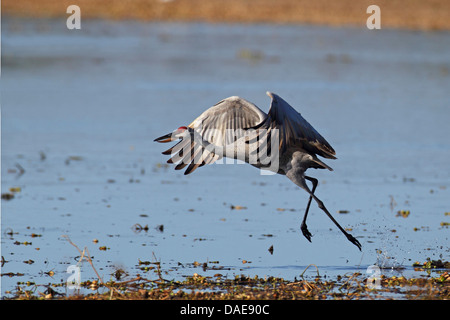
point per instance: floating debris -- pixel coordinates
(7, 196)
(50, 273)
(25, 243)
(21, 170)
(162, 165)
(392, 203)
(3, 261)
(138, 228)
(432, 264)
(119, 273)
(284, 209)
(12, 274)
(72, 158)
(271, 249)
(403, 213)
(42, 155)
(423, 228)
(343, 211)
(10, 232)
(237, 207)
(250, 55)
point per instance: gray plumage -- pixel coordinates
(236, 128)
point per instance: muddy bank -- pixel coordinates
(416, 14)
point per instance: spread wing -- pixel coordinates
(227, 120)
(219, 126)
(292, 129)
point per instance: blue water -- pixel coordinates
(80, 110)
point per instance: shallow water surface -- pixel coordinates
(80, 110)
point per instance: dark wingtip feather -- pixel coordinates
(180, 166)
(191, 168)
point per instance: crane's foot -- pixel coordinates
(305, 231)
(353, 240)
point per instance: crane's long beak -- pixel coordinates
(166, 138)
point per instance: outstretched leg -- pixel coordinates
(348, 235)
(299, 179)
(303, 226)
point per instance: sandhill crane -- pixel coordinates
(236, 128)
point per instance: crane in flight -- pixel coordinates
(281, 141)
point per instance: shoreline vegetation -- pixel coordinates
(412, 14)
(150, 284)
